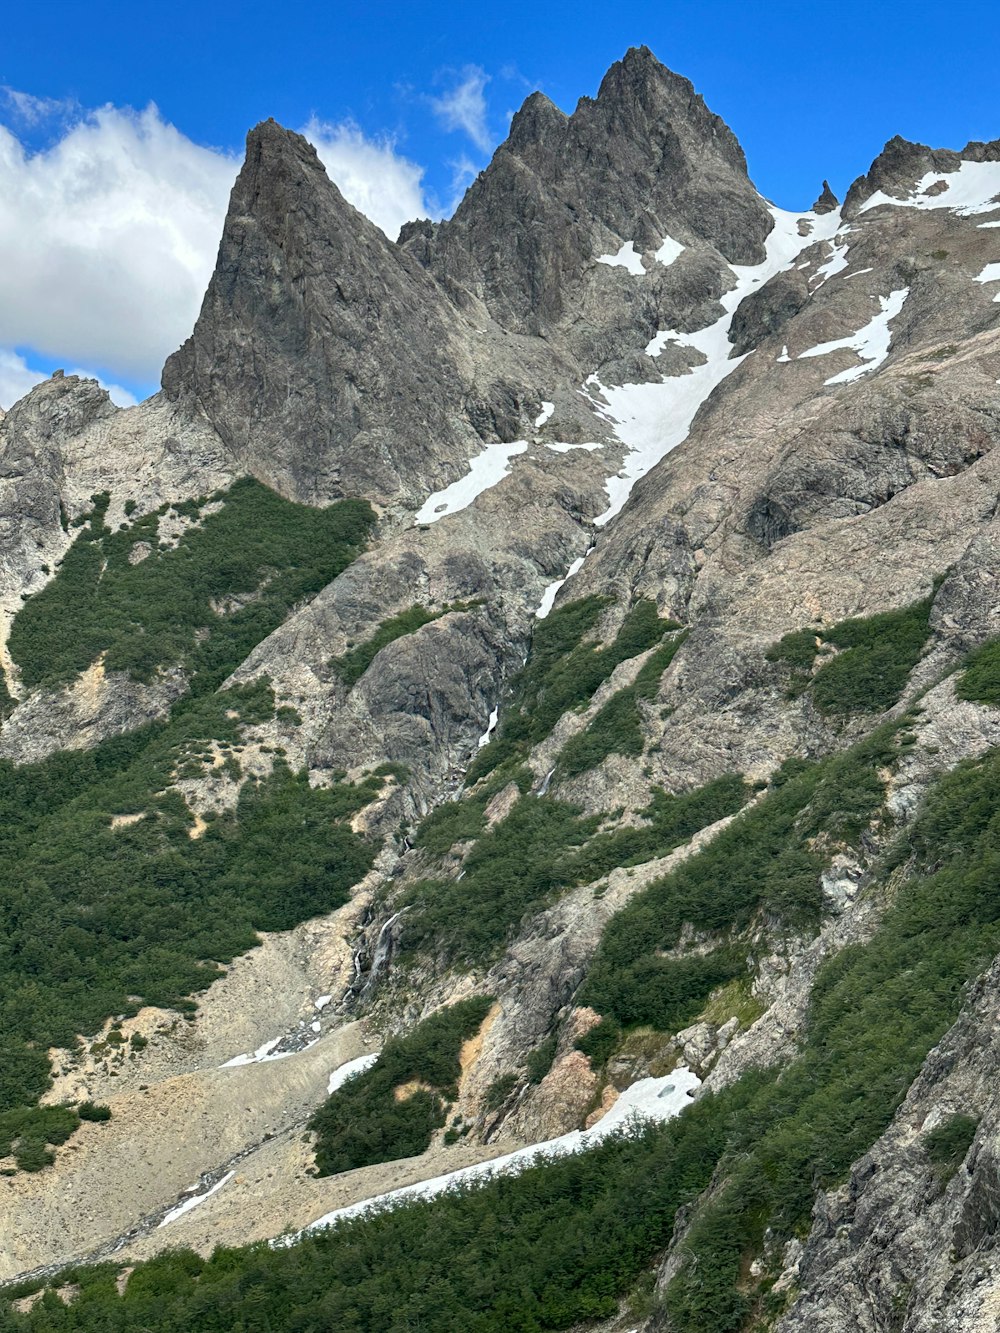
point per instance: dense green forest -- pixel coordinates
(100, 914)
(562, 1242)
(564, 670)
(99, 918)
(243, 558)
(768, 860)
(869, 671)
(392, 1109)
(543, 846)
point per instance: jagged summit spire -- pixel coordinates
(537, 118)
(827, 201)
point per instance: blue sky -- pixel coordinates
(114, 218)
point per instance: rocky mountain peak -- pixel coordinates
(641, 86)
(899, 165)
(827, 201)
(537, 120)
(308, 306)
(643, 160)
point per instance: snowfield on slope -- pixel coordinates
(871, 342)
(972, 189)
(652, 419)
(648, 1100)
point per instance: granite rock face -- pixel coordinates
(324, 356)
(643, 161)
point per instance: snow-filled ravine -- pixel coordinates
(648, 1100)
(485, 470)
(193, 1200)
(652, 419)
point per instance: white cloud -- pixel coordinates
(17, 376)
(107, 240)
(32, 110)
(108, 237)
(370, 174)
(464, 108)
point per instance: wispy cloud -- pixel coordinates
(370, 174)
(108, 235)
(30, 110)
(463, 107)
(464, 172)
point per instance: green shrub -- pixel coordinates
(980, 681)
(32, 1155)
(600, 1042)
(7, 701)
(671, 821)
(542, 847)
(562, 672)
(93, 1111)
(353, 665)
(578, 1231)
(36, 1124)
(514, 868)
(764, 861)
(95, 916)
(365, 1121)
(869, 673)
(947, 1145)
(541, 1059)
(448, 823)
(168, 608)
(499, 1090)
(617, 727)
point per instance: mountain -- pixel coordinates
(537, 676)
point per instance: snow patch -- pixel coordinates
(322, 1001)
(972, 189)
(835, 264)
(349, 1070)
(651, 1099)
(549, 595)
(668, 251)
(255, 1057)
(991, 273)
(625, 258)
(784, 354)
(653, 419)
(657, 343)
(491, 726)
(268, 1052)
(871, 342)
(485, 470)
(544, 414)
(195, 1200)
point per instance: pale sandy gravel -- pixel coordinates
(271, 1194)
(176, 1112)
(157, 1145)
